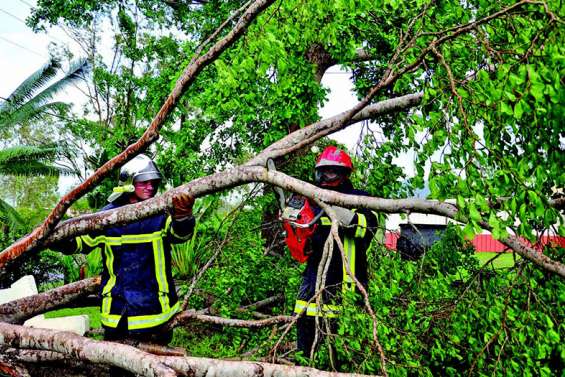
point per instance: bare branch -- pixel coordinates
(191, 315)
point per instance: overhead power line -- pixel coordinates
(12, 15)
(26, 3)
(22, 47)
(24, 22)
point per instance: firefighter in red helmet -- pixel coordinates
(357, 228)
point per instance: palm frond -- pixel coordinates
(25, 153)
(26, 104)
(29, 161)
(30, 112)
(33, 168)
(35, 81)
(75, 73)
(10, 216)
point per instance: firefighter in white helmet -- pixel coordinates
(137, 291)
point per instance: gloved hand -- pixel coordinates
(182, 206)
(344, 215)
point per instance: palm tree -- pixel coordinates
(29, 102)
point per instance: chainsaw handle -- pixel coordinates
(307, 225)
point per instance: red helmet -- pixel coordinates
(333, 156)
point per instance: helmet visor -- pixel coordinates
(329, 174)
(148, 176)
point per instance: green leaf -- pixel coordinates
(518, 110)
(506, 108)
(473, 213)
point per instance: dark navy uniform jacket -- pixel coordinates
(136, 280)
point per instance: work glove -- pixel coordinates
(182, 206)
(344, 215)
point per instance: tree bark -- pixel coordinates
(61, 346)
(204, 367)
(75, 346)
(18, 311)
(190, 315)
(241, 175)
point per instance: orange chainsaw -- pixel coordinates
(299, 222)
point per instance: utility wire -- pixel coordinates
(23, 22)
(26, 3)
(12, 15)
(23, 47)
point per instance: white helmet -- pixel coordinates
(140, 169)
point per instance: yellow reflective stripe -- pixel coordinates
(106, 304)
(361, 226)
(110, 267)
(134, 238)
(148, 321)
(167, 224)
(328, 311)
(92, 242)
(124, 188)
(140, 321)
(125, 239)
(326, 220)
(110, 320)
(160, 273)
(348, 281)
(79, 244)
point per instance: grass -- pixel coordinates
(92, 312)
(505, 260)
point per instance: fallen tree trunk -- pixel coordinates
(204, 367)
(58, 347)
(244, 174)
(18, 311)
(75, 346)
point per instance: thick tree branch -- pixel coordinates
(75, 346)
(19, 310)
(245, 174)
(203, 367)
(333, 124)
